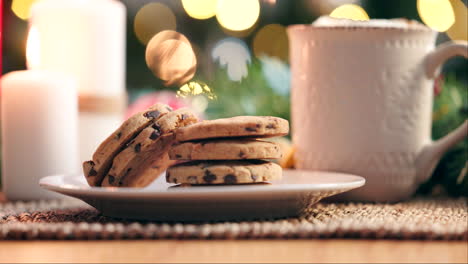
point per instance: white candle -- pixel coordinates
(39, 131)
(86, 39)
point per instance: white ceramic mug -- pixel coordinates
(362, 103)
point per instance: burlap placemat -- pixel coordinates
(422, 218)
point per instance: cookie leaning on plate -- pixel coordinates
(239, 126)
(225, 149)
(145, 157)
(97, 168)
(223, 172)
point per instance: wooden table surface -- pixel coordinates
(235, 251)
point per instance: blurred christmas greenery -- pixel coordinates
(450, 110)
(251, 96)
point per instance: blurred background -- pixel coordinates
(242, 61)
(246, 69)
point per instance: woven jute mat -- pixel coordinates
(422, 218)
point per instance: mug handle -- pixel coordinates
(431, 154)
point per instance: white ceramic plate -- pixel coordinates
(162, 201)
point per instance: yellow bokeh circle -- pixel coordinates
(151, 19)
(271, 40)
(459, 29)
(22, 8)
(437, 14)
(200, 9)
(350, 11)
(237, 15)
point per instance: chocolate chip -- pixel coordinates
(155, 135)
(111, 179)
(92, 172)
(168, 176)
(241, 154)
(183, 117)
(230, 179)
(209, 177)
(174, 180)
(271, 126)
(137, 147)
(127, 172)
(119, 135)
(192, 179)
(258, 125)
(152, 114)
(178, 156)
(251, 129)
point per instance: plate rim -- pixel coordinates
(357, 182)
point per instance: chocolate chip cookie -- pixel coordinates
(239, 126)
(223, 172)
(97, 168)
(145, 157)
(225, 149)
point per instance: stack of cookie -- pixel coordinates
(227, 151)
(137, 152)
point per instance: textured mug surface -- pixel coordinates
(362, 103)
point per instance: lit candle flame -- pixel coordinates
(33, 56)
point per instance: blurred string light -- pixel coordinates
(271, 40)
(326, 7)
(270, 2)
(196, 88)
(237, 15)
(200, 9)
(350, 11)
(171, 58)
(199, 103)
(459, 29)
(437, 14)
(151, 19)
(277, 74)
(22, 8)
(233, 54)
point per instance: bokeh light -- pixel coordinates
(459, 29)
(271, 40)
(157, 40)
(151, 19)
(237, 15)
(22, 8)
(199, 103)
(277, 74)
(321, 8)
(437, 14)
(350, 11)
(200, 9)
(196, 88)
(33, 48)
(233, 54)
(170, 57)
